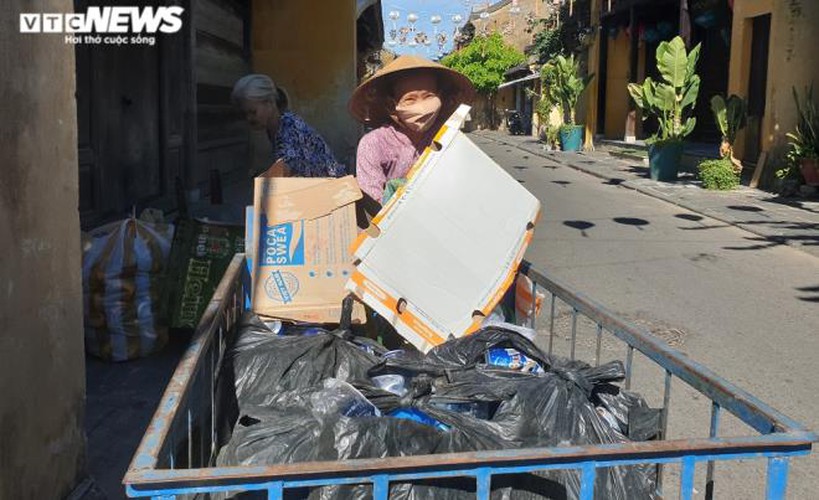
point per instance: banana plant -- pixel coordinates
(673, 99)
(564, 85)
(731, 116)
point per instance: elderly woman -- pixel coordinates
(298, 145)
(406, 102)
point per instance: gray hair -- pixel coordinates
(258, 87)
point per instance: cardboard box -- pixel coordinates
(200, 255)
(440, 255)
(302, 228)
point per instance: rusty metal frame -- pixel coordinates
(154, 473)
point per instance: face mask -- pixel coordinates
(420, 115)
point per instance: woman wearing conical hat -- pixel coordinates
(405, 103)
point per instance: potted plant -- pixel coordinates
(804, 140)
(731, 116)
(563, 85)
(671, 101)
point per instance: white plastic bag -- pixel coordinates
(123, 270)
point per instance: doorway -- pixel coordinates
(757, 85)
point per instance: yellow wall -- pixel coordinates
(617, 79)
(793, 61)
(309, 48)
(589, 97)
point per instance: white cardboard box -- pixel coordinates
(440, 255)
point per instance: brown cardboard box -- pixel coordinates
(302, 229)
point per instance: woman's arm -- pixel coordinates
(369, 168)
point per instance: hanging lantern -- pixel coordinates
(394, 15)
(412, 17)
(441, 39)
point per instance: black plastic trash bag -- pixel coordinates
(330, 396)
(265, 364)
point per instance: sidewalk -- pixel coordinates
(774, 220)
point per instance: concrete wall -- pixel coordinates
(793, 61)
(42, 380)
(309, 48)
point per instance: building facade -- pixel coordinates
(516, 21)
(757, 49)
(773, 50)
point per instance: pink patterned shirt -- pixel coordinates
(383, 154)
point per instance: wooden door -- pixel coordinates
(130, 112)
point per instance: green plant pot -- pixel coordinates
(664, 160)
(571, 138)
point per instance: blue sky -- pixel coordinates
(425, 9)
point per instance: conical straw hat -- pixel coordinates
(369, 101)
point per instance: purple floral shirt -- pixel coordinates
(303, 150)
(383, 154)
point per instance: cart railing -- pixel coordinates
(179, 448)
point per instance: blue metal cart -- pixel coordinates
(177, 454)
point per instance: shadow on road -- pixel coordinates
(748, 208)
(803, 205)
(804, 240)
(810, 290)
(632, 221)
(638, 170)
(580, 225)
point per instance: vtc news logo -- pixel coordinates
(106, 20)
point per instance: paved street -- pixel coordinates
(746, 310)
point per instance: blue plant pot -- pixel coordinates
(571, 139)
(664, 160)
